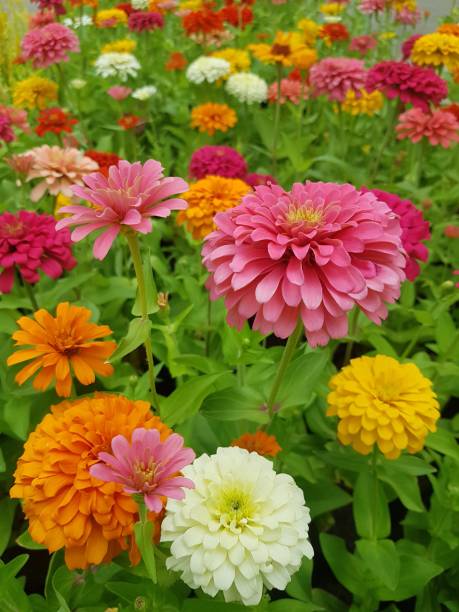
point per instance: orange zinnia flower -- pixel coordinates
(211, 118)
(259, 442)
(176, 61)
(128, 122)
(68, 339)
(66, 506)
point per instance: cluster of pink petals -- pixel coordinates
(335, 76)
(119, 92)
(17, 117)
(144, 21)
(147, 466)
(408, 45)
(128, 197)
(53, 5)
(412, 84)
(314, 252)
(255, 179)
(49, 45)
(438, 126)
(59, 168)
(415, 229)
(363, 44)
(406, 16)
(6, 131)
(217, 160)
(29, 242)
(291, 90)
(41, 18)
(368, 7)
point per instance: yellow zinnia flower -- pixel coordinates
(211, 118)
(238, 59)
(366, 104)
(387, 35)
(288, 49)
(436, 49)
(110, 18)
(34, 92)
(379, 400)
(125, 45)
(309, 29)
(332, 8)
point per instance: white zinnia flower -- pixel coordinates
(77, 22)
(208, 69)
(247, 87)
(78, 83)
(242, 526)
(143, 93)
(121, 65)
(140, 5)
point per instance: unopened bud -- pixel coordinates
(162, 299)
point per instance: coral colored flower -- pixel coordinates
(334, 76)
(369, 7)
(408, 44)
(60, 345)
(127, 199)
(145, 21)
(41, 18)
(415, 229)
(49, 45)
(30, 243)
(438, 127)
(381, 401)
(411, 84)
(110, 18)
(290, 91)
(207, 197)
(128, 122)
(146, 465)
(238, 59)
(259, 442)
(314, 252)
(176, 61)
(21, 164)
(451, 231)
(254, 179)
(59, 168)
(119, 92)
(211, 118)
(67, 507)
(363, 44)
(54, 120)
(334, 32)
(247, 88)
(17, 117)
(217, 160)
(451, 108)
(103, 160)
(204, 21)
(6, 131)
(124, 45)
(249, 523)
(449, 28)
(436, 50)
(34, 92)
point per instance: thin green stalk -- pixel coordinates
(209, 325)
(137, 261)
(387, 138)
(374, 475)
(276, 120)
(31, 296)
(143, 534)
(352, 330)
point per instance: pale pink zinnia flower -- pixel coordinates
(314, 252)
(119, 92)
(368, 7)
(59, 168)
(147, 466)
(335, 76)
(49, 45)
(290, 91)
(129, 197)
(438, 126)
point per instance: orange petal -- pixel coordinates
(83, 371)
(64, 387)
(28, 371)
(23, 355)
(43, 379)
(62, 368)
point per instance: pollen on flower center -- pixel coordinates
(235, 507)
(144, 475)
(304, 214)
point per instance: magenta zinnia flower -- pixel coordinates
(6, 131)
(128, 197)
(147, 466)
(415, 229)
(217, 160)
(408, 45)
(335, 76)
(439, 127)
(314, 252)
(412, 84)
(144, 21)
(30, 242)
(49, 45)
(254, 179)
(55, 5)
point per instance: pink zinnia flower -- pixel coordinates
(335, 76)
(439, 127)
(408, 45)
(29, 242)
(314, 252)
(217, 160)
(6, 131)
(119, 92)
(144, 21)
(128, 197)
(415, 229)
(363, 44)
(49, 45)
(17, 117)
(368, 7)
(147, 466)
(412, 84)
(41, 18)
(54, 5)
(406, 16)
(291, 90)
(254, 179)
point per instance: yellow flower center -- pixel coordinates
(235, 507)
(304, 214)
(144, 475)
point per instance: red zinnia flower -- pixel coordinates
(127, 122)
(451, 108)
(176, 61)
(105, 160)
(54, 120)
(237, 15)
(204, 21)
(332, 32)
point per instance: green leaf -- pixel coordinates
(325, 496)
(328, 602)
(344, 566)
(404, 485)
(7, 508)
(445, 332)
(382, 559)
(300, 585)
(144, 540)
(137, 334)
(290, 605)
(301, 378)
(26, 541)
(151, 292)
(62, 582)
(444, 442)
(16, 414)
(205, 605)
(2, 462)
(240, 404)
(371, 511)
(12, 595)
(415, 573)
(408, 464)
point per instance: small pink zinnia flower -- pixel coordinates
(363, 44)
(291, 90)
(147, 466)
(254, 179)
(41, 18)
(407, 16)
(6, 131)
(217, 160)
(368, 7)
(335, 76)
(313, 252)
(144, 21)
(53, 5)
(439, 127)
(29, 242)
(119, 92)
(49, 45)
(127, 198)
(17, 116)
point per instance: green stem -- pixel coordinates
(276, 120)
(209, 325)
(391, 119)
(144, 540)
(137, 261)
(31, 296)
(287, 355)
(374, 475)
(352, 330)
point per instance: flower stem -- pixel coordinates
(31, 295)
(287, 355)
(391, 119)
(143, 535)
(352, 330)
(276, 120)
(137, 261)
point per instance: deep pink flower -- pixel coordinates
(254, 179)
(147, 466)
(30, 242)
(314, 252)
(119, 92)
(291, 90)
(129, 197)
(412, 84)
(55, 5)
(438, 126)
(49, 45)
(368, 7)
(6, 131)
(415, 229)
(408, 45)
(144, 21)
(217, 160)
(363, 44)
(335, 76)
